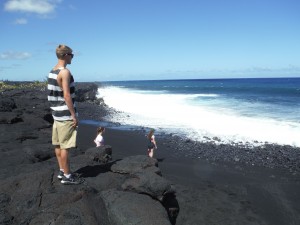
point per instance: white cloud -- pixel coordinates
(287, 69)
(41, 7)
(20, 21)
(284, 71)
(10, 55)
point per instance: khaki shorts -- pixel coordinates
(64, 134)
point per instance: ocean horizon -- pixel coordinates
(244, 111)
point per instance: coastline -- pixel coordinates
(236, 112)
(211, 188)
(208, 192)
(285, 157)
(222, 183)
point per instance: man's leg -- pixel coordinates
(68, 178)
(55, 142)
(58, 156)
(64, 160)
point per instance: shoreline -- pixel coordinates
(241, 122)
(255, 182)
(236, 185)
(276, 156)
(134, 143)
(265, 154)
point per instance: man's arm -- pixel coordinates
(65, 77)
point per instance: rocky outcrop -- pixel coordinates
(86, 92)
(131, 208)
(101, 154)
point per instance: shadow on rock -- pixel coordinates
(172, 207)
(91, 171)
(94, 170)
(160, 160)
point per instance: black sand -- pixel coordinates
(214, 192)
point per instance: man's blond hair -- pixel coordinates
(62, 50)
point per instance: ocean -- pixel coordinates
(250, 112)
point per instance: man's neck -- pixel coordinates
(60, 65)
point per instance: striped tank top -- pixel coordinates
(60, 110)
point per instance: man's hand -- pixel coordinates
(75, 122)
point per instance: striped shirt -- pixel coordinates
(60, 110)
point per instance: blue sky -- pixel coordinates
(151, 39)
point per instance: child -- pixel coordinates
(99, 139)
(151, 143)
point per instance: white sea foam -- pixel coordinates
(176, 113)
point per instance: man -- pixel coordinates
(62, 101)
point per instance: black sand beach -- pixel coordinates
(214, 193)
(217, 184)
